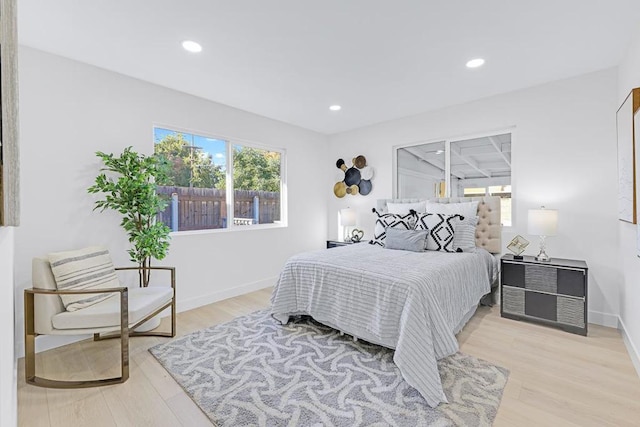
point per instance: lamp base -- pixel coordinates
(346, 237)
(542, 256)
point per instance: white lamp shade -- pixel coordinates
(543, 222)
(347, 217)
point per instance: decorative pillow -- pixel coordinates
(408, 240)
(466, 209)
(464, 238)
(385, 221)
(405, 208)
(89, 268)
(441, 229)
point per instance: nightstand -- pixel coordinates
(336, 243)
(553, 293)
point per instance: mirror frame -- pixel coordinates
(627, 158)
(9, 154)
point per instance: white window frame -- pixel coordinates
(230, 142)
(447, 153)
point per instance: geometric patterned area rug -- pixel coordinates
(254, 371)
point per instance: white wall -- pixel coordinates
(563, 157)
(629, 78)
(7, 360)
(69, 110)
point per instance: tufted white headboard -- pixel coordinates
(489, 229)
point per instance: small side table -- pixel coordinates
(336, 243)
(552, 292)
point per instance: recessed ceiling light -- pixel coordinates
(335, 108)
(191, 46)
(439, 151)
(475, 63)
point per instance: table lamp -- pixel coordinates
(347, 219)
(543, 222)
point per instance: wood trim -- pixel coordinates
(635, 101)
(634, 94)
(10, 187)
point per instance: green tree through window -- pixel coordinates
(256, 169)
(208, 193)
(188, 165)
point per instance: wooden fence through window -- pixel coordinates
(206, 208)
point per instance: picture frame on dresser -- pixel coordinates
(636, 130)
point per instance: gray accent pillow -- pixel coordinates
(406, 240)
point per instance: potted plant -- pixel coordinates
(128, 183)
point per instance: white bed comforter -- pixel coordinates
(412, 302)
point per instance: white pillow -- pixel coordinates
(464, 238)
(404, 208)
(465, 209)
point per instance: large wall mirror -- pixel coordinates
(457, 168)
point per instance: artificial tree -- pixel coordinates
(128, 183)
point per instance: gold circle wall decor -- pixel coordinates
(356, 179)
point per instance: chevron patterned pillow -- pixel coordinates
(441, 230)
(384, 221)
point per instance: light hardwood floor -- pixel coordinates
(557, 378)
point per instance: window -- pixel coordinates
(257, 184)
(457, 168)
(209, 177)
(502, 191)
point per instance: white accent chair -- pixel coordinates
(112, 318)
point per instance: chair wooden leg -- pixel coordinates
(173, 303)
(30, 353)
(29, 338)
(124, 337)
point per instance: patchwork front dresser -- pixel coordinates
(553, 292)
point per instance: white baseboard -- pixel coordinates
(47, 342)
(191, 303)
(603, 319)
(631, 348)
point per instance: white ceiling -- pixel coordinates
(379, 59)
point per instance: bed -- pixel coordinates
(413, 302)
